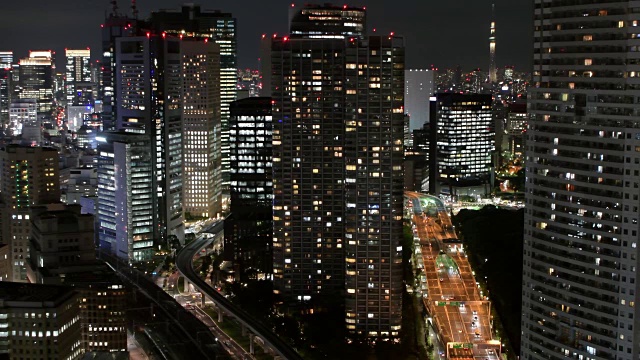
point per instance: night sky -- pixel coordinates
(440, 32)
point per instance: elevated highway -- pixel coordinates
(184, 263)
(460, 314)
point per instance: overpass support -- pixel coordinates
(251, 350)
(203, 299)
(220, 316)
(244, 330)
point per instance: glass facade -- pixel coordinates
(462, 131)
(248, 230)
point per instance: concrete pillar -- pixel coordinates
(244, 330)
(203, 298)
(220, 316)
(251, 351)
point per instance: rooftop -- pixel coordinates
(17, 294)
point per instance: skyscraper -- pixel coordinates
(149, 92)
(337, 160)
(29, 177)
(201, 129)
(125, 168)
(36, 79)
(580, 281)
(6, 62)
(76, 71)
(493, 72)
(462, 144)
(373, 158)
(249, 228)
(6, 59)
(115, 26)
(419, 89)
(192, 22)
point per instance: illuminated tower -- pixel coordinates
(76, 72)
(493, 74)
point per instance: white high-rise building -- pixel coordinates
(201, 129)
(419, 87)
(22, 112)
(580, 281)
(77, 70)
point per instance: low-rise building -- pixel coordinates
(39, 322)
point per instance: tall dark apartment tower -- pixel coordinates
(193, 22)
(115, 26)
(249, 227)
(337, 165)
(580, 281)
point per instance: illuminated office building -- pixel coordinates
(36, 79)
(149, 101)
(22, 112)
(191, 22)
(6, 78)
(516, 128)
(62, 252)
(327, 21)
(125, 168)
(580, 280)
(248, 229)
(6, 59)
(46, 315)
(201, 129)
(76, 71)
(462, 144)
(30, 177)
(337, 174)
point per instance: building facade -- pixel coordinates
(39, 322)
(125, 168)
(22, 112)
(327, 21)
(337, 173)
(202, 149)
(149, 83)
(462, 144)
(76, 71)
(249, 227)
(191, 22)
(29, 177)
(373, 159)
(36, 79)
(581, 221)
(419, 88)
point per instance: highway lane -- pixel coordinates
(185, 266)
(459, 312)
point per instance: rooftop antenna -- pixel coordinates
(114, 7)
(134, 9)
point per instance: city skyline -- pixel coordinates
(431, 37)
